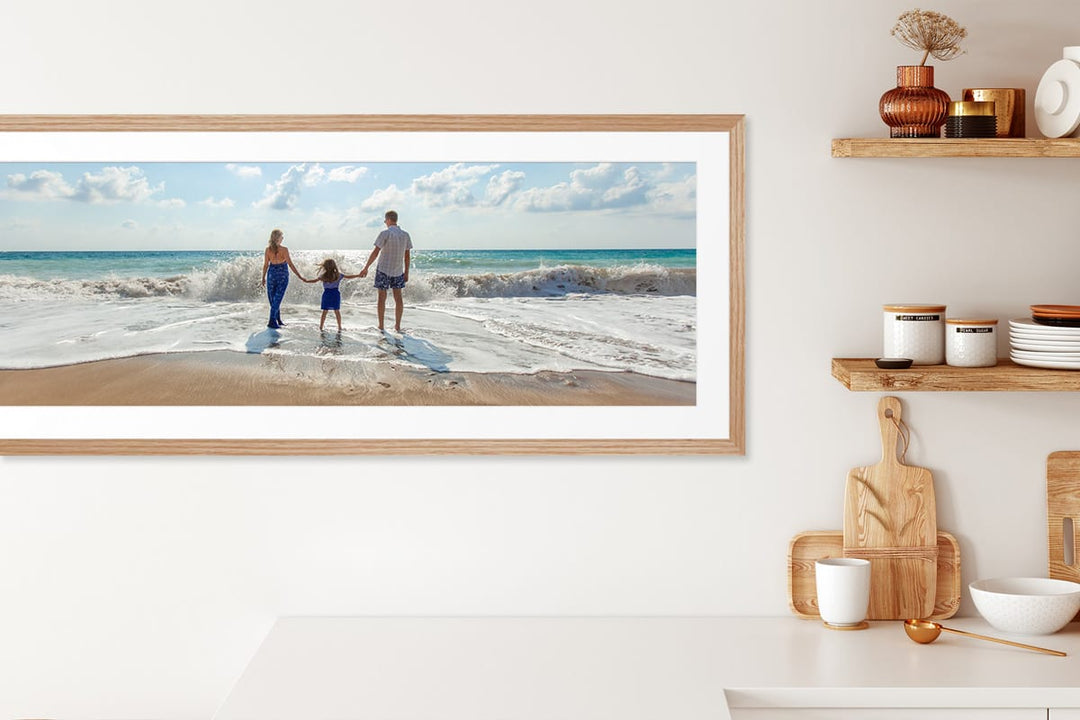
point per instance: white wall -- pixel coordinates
(138, 588)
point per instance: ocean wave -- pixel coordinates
(542, 282)
(238, 280)
(14, 287)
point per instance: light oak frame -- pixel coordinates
(731, 124)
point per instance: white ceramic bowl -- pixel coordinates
(1027, 606)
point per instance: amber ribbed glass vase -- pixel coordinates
(914, 108)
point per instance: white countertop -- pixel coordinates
(628, 668)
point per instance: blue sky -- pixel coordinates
(320, 205)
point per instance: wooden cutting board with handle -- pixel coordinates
(890, 518)
(1063, 513)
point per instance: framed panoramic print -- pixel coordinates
(531, 284)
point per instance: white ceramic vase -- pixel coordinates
(1057, 99)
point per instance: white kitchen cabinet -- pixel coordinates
(893, 714)
(778, 668)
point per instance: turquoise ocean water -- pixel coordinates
(165, 263)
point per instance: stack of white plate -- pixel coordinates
(1044, 346)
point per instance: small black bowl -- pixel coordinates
(893, 363)
(1056, 321)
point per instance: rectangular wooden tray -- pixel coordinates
(806, 547)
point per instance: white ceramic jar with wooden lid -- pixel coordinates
(971, 343)
(915, 331)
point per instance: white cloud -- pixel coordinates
(211, 202)
(452, 186)
(384, 199)
(315, 175)
(502, 186)
(666, 170)
(556, 197)
(594, 178)
(456, 185)
(346, 173)
(110, 185)
(602, 186)
(678, 197)
(173, 203)
(39, 185)
(244, 171)
(129, 225)
(285, 193)
(630, 191)
(115, 184)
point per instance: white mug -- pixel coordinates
(843, 590)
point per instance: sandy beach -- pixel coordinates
(230, 378)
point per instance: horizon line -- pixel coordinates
(364, 247)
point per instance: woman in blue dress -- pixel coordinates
(275, 275)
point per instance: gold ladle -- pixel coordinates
(927, 631)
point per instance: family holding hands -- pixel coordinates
(392, 250)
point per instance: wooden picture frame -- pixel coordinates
(726, 131)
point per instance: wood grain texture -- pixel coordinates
(369, 447)
(737, 292)
(808, 547)
(955, 147)
(861, 375)
(370, 123)
(1063, 501)
(890, 518)
(734, 125)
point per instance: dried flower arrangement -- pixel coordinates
(931, 32)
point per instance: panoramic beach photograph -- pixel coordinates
(348, 283)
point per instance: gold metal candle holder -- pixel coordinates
(1008, 108)
(971, 119)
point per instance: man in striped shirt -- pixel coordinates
(393, 249)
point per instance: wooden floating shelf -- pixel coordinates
(862, 375)
(951, 147)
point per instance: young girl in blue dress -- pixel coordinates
(330, 276)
